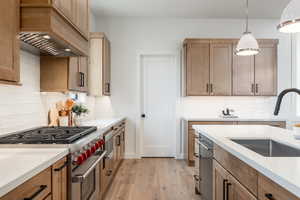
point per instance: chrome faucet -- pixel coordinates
(281, 95)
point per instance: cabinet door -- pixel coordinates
(9, 44)
(266, 70)
(220, 69)
(83, 69)
(81, 16)
(59, 180)
(64, 7)
(197, 69)
(74, 76)
(106, 71)
(236, 191)
(219, 181)
(243, 75)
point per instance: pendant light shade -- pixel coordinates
(290, 18)
(247, 45)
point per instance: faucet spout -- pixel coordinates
(280, 97)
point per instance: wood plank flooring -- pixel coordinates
(153, 179)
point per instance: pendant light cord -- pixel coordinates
(247, 16)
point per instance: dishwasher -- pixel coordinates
(206, 167)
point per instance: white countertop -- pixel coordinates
(19, 165)
(285, 171)
(234, 119)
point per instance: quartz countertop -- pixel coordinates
(17, 165)
(282, 170)
(246, 119)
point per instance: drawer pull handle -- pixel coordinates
(227, 190)
(196, 155)
(40, 190)
(224, 188)
(196, 177)
(61, 167)
(270, 196)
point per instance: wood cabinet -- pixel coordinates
(256, 75)
(243, 75)
(266, 70)
(64, 74)
(233, 180)
(225, 186)
(220, 69)
(197, 68)
(9, 42)
(189, 135)
(60, 180)
(80, 16)
(100, 67)
(65, 7)
(212, 68)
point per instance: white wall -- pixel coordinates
(131, 36)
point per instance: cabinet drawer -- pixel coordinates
(240, 170)
(268, 188)
(37, 188)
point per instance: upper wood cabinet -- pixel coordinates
(197, 68)
(100, 67)
(212, 69)
(65, 7)
(81, 16)
(64, 74)
(266, 70)
(256, 75)
(9, 43)
(242, 75)
(220, 68)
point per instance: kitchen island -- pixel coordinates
(260, 177)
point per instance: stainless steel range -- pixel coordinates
(86, 151)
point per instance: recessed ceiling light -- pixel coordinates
(46, 37)
(67, 50)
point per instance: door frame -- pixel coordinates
(140, 100)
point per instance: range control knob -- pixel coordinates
(93, 149)
(79, 160)
(88, 153)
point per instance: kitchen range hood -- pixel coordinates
(46, 31)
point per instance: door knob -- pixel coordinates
(143, 115)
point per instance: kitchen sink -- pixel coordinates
(268, 148)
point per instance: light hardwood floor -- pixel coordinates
(153, 179)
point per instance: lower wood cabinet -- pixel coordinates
(235, 180)
(50, 184)
(190, 133)
(61, 74)
(225, 186)
(60, 180)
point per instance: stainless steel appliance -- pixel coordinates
(205, 186)
(86, 151)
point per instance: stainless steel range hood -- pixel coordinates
(45, 31)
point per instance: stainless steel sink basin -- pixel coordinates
(268, 148)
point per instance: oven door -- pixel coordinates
(85, 179)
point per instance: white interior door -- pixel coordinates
(159, 104)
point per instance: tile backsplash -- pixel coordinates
(23, 107)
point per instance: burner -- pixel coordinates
(48, 135)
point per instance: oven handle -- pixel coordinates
(204, 146)
(80, 178)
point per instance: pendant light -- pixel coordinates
(290, 18)
(247, 45)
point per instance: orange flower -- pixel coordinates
(69, 104)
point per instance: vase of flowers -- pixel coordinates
(80, 111)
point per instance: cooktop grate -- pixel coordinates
(48, 135)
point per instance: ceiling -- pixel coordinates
(259, 9)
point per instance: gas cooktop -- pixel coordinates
(48, 135)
